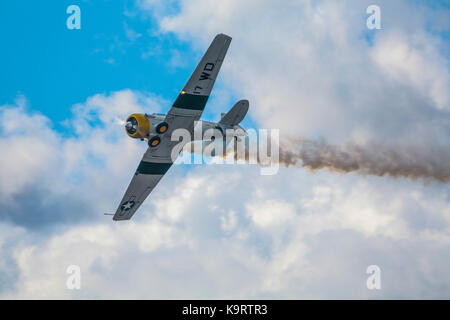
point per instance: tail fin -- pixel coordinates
(236, 114)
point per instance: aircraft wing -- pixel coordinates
(187, 109)
(191, 101)
(146, 177)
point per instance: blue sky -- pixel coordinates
(117, 48)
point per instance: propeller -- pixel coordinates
(119, 121)
(131, 125)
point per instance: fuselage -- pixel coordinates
(144, 126)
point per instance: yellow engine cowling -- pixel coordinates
(137, 126)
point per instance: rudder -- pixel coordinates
(236, 114)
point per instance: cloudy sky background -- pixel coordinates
(310, 68)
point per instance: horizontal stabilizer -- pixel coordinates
(236, 114)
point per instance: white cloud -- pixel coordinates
(270, 213)
(307, 69)
(316, 242)
(417, 61)
(42, 167)
(313, 69)
(218, 231)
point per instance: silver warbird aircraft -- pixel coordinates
(157, 129)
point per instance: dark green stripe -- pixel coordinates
(152, 168)
(191, 101)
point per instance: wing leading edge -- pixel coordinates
(186, 109)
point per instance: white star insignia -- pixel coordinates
(127, 206)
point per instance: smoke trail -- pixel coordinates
(379, 159)
(415, 162)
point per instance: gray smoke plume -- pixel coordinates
(379, 159)
(419, 161)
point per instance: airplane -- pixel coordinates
(157, 128)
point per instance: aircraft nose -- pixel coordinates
(129, 125)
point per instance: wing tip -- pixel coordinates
(223, 35)
(120, 219)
